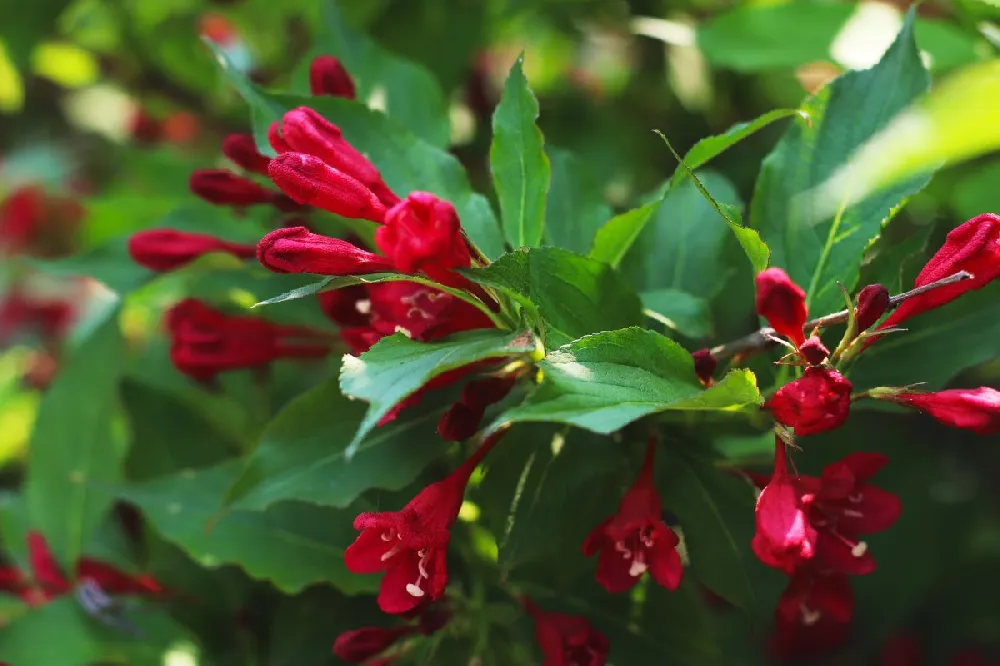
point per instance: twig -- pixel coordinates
(761, 339)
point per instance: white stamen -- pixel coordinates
(414, 591)
(620, 547)
(855, 498)
(389, 553)
(637, 569)
(853, 514)
(809, 616)
(860, 549)
(364, 306)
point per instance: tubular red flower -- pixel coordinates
(359, 645)
(309, 180)
(704, 365)
(167, 249)
(225, 188)
(818, 401)
(784, 538)
(782, 303)
(241, 149)
(636, 540)
(976, 409)
(306, 131)
(298, 250)
(973, 246)
(327, 76)
(276, 140)
(873, 301)
(409, 545)
(205, 341)
(567, 639)
(813, 615)
(462, 419)
(347, 306)
(426, 313)
(423, 233)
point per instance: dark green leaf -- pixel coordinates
(680, 311)
(617, 236)
(518, 162)
(396, 367)
(607, 380)
(301, 455)
(76, 444)
(575, 208)
(674, 627)
(292, 544)
(574, 295)
(844, 115)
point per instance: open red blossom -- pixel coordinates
(167, 249)
(327, 76)
(347, 306)
(410, 545)
(311, 181)
(423, 233)
(973, 246)
(818, 401)
(205, 341)
(298, 250)
(782, 303)
(976, 409)
(423, 312)
(225, 188)
(303, 130)
(636, 540)
(784, 539)
(241, 149)
(359, 645)
(567, 640)
(813, 615)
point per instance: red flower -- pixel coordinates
(973, 246)
(205, 341)
(49, 581)
(901, 650)
(784, 539)
(20, 312)
(813, 615)
(422, 233)
(782, 303)
(462, 419)
(567, 640)
(359, 645)
(21, 216)
(818, 401)
(241, 149)
(298, 250)
(814, 351)
(704, 365)
(873, 301)
(225, 188)
(167, 249)
(409, 545)
(303, 130)
(327, 76)
(424, 312)
(636, 539)
(276, 140)
(347, 306)
(310, 181)
(977, 409)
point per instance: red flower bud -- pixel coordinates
(422, 232)
(460, 422)
(818, 401)
(298, 250)
(308, 180)
(306, 131)
(977, 409)
(241, 149)
(973, 246)
(276, 140)
(167, 249)
(814, 351)
(225, 188)
(327, 76)
(360, 645)
(782, 303)
(704, 365)
(873, 301)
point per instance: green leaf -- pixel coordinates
(575, 208)
(617, 236)
(607, 380)
(713, 146)
(302, 452)
(518, 162)
(679, 310)
(292, 545)
(947, 340)
(715, 510)
(77, 444)
(574, 295)
(674, 627)
(819, 252)
(406, 162)
(396, 367)
(411, 94)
